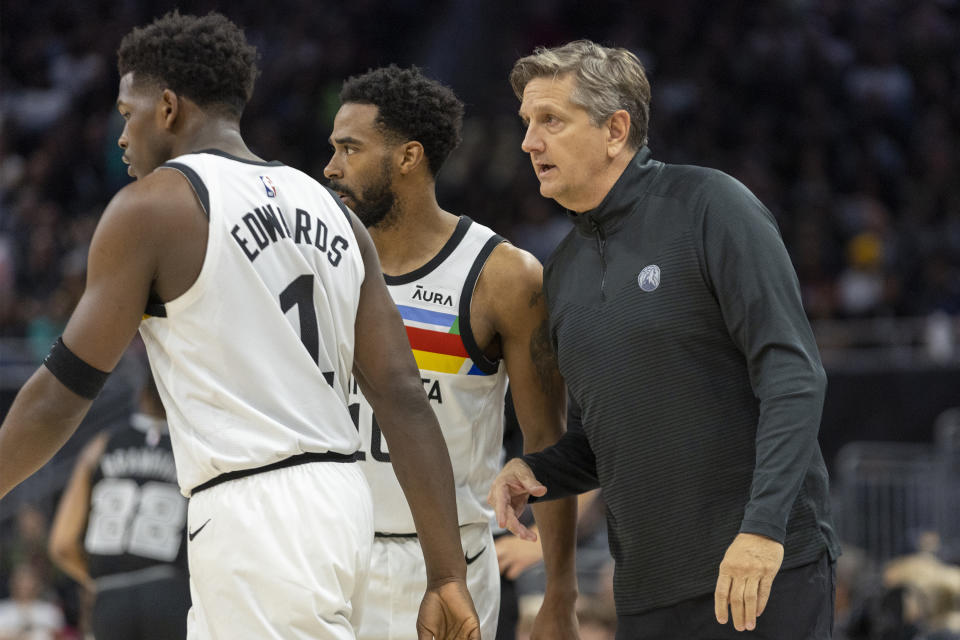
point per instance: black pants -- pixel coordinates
(151, 611)
(509, 610)
(800, 608)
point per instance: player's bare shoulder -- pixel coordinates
(159, 202)
(510, 287)
(513, 302)
(161, 215)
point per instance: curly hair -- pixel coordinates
(411, 107)
(206, 59)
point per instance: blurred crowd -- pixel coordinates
(910, 597)
(843, 117)
(36, 600)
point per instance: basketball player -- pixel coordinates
(474, 313)
(256, 282)
(120, 529)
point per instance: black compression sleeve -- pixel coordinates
(74, 373)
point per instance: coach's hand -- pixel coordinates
(509, 493)
(746, 576)
(447, 613)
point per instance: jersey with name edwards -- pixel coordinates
(253, 361)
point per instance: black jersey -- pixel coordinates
(137, 514)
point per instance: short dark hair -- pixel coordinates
(411, 107)
(206, 59)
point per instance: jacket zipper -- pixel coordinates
(601, 243)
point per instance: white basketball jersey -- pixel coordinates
(465, 389)
(253, 361)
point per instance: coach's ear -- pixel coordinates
(618, 132)
(410, 155)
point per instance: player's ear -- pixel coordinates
(168, 108)
(411, 155)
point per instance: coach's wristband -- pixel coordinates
(74, 373)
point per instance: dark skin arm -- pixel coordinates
(390, 380)
(509, 302)
(65, 544)
(516, 555)
(153, 236)
(137, 226)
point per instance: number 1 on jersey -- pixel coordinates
(299, 293)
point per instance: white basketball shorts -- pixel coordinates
(280, 554)
(398, 580)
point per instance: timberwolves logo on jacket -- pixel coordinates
(649, 278)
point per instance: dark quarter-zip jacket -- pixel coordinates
(695, 383)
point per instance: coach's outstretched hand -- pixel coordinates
(447, 613)
(509, 493)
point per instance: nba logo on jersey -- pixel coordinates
(269, 186)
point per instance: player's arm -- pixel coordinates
(120, 267)
(516, 555)
(390, 380)
(510, 292)
(70, 521)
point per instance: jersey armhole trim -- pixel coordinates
(195, 181)
(229, 156)
(480, 360)
(155, 306)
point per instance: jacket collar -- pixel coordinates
(621, 198)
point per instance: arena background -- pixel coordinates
(843, 118)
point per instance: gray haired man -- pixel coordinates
(694, 380)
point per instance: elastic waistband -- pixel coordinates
(133, 578)
(292, 461)
(382, 534)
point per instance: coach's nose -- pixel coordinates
(532, 140)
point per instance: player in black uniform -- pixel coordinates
(120, 529)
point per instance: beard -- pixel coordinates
(374, 205)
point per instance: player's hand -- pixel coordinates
(447, 613)
(556, 620)
(508, 496)
(746, 576)
(516, 556)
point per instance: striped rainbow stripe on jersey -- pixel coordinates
(436, 342)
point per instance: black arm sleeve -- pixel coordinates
(567, 467)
